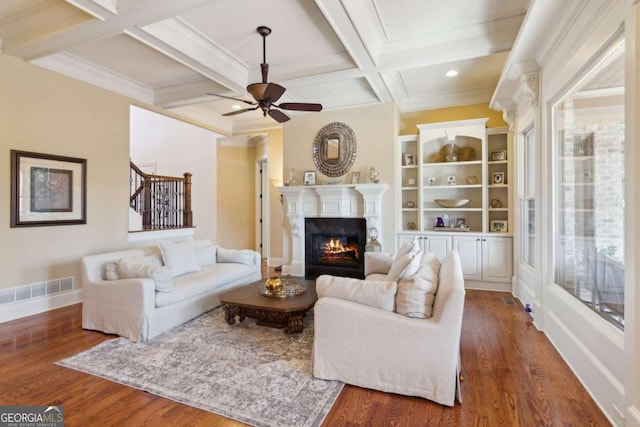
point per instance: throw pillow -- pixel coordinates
(413, 265)
(205, 255)
(238, 256)
(129, 268)
(408, 248)
(179, 257)
(374, 293)
(417, 293)
(111, 271)
(404, 264)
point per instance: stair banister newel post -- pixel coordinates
(187, 214)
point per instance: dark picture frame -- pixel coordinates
(47, 189)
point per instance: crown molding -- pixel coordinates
(77, 68)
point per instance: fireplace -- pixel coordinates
(335, 246)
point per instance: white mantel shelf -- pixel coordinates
(330, 201)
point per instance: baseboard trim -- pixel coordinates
(488, 286)
(633, 417)
(30, 307)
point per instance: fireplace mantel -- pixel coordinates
(336, 201)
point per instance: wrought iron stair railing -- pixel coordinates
(164, 202)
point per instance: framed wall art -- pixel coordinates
(47, 189)
(355, 177)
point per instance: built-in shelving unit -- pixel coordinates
(479, 171)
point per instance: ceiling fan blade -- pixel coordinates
(244, 110)
(278, 116)
(231, 97)
(273, 92)
(300, 106)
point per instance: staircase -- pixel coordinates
(163, 202)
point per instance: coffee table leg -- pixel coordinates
(230, 313)
(295, 323)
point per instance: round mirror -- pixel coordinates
(334, 149)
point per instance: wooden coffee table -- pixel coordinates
(275, 312)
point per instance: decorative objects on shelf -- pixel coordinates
(282, 287)
(498, 226)
(497, 178)
(373, 245)
(334, 149)
(410, 204)
(472, 180)
(452, 203)
(454, 153)
(495, 203)
(373, 175)
(310, 178)
(292, 177)
(499, 155)
(411, 226)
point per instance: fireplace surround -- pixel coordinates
(325, 201)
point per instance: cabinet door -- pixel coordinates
(497, 259)
(437, 245)
(469, 249)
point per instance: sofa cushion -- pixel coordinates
(130, 268)
(377, 263)
(374, 293)
(417, 292)
(179, 257)
(210, 278)
(242, 256)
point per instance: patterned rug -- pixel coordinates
(246, 372)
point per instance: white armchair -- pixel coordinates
(360, 341)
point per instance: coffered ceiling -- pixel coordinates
(340, 53)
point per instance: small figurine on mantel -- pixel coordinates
(373, 175)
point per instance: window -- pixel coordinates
(527, 199)
(589, 187)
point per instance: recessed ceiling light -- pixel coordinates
(236, 106)
(452, 73)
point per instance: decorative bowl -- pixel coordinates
(452, 203)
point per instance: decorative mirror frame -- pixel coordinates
(334, 149)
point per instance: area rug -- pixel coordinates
(254, 374)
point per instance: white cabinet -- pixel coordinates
(437, 244)
(485, 258)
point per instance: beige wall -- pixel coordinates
(236, 189)
(45, 112)
(375, 131)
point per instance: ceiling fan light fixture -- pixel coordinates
(267, 94)
(257, 90)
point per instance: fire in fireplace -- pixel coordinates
(335, 246)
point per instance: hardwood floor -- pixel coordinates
(512, 377)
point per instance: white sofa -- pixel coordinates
(361, 340)
(140, 293)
